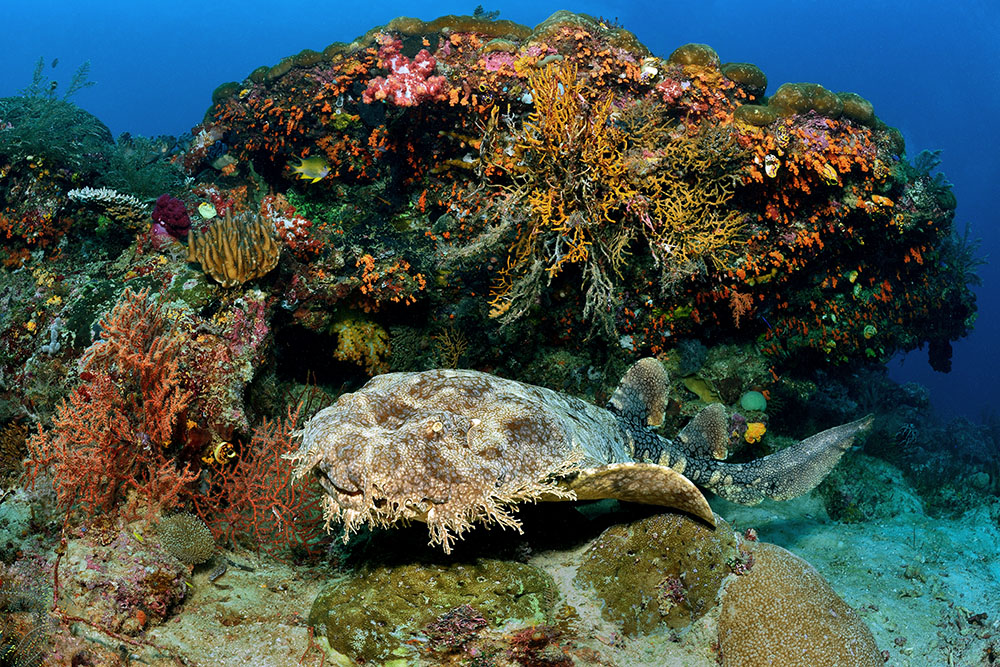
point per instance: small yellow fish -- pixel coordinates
(312, 169)
(206, 210)
(222, 452)
(829, 173)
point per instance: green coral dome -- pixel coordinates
(753, 401)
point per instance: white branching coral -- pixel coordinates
(103, 196)
(126, 209)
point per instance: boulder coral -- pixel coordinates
(379, 614)
(783, 612)
(662, 570)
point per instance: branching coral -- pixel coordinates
(254, 496)
(684, 180)
(566, 164)
(593, 172)
(124, 208)
(113, 433)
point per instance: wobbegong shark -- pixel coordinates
(453, 448)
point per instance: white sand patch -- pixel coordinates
(916, 581)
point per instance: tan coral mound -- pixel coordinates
(783, 612)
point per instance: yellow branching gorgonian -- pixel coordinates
(590, 173)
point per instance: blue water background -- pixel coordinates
(930, 68)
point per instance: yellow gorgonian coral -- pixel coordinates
(589, 173)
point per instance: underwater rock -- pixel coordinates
(663, 570)
(119, 580)
(373, 616)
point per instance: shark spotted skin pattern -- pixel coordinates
(696, 451)
(455, 447)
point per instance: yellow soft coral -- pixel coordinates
(363, 342)
(755, 431)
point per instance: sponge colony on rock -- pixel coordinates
(782, 612)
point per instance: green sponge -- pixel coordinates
(753, 401)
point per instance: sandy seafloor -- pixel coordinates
(915, 580)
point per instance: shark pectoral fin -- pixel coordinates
(647, 483)
(789, 473)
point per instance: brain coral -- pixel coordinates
(187, 538)
(782, 612)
